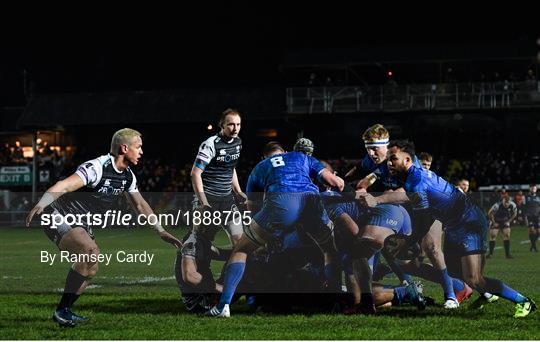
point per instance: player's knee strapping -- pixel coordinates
(323, 236)
(253, 236)
(365, 247)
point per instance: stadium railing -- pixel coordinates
(308, 100)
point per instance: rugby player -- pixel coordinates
(501, 215)
(214, 177)
(193, 273)
(374, 170)
(362, 235)
(285, 180)
(465, 224)
(304, 145)
(532, 209)
(426, 160)
(106, 178)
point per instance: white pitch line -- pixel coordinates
(89, 287)
(146, 280)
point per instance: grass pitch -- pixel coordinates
(136, 301)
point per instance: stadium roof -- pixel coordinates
(174, 106)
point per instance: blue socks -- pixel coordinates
(499, 288)
(400, 295)
(332, 274)
(447, 284)
(233, 275)
(457, 284)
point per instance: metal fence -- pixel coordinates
(394, 98)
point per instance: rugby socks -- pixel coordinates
(533, 238)
(74, 280)
(491, 247)
(366, 299)
(447, 284)
(400, 295)
(458, 285)
(506, 244)
(233, 275)
(332, 275)
(74, 299)
(499, 288)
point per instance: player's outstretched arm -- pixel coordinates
(367, 181)
(143, 208)
(369, 200)
(351, 173)
(332, 180)
(70, 184)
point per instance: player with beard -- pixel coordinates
(465, 224)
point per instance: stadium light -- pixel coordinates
(390, 73)
(209, 127)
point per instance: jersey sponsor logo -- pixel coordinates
(222, 152)
(391, 222)
(108, 189)
(228, 157)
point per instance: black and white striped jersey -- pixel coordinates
(502, 213)
(532, 204)
(218, 157)
(104, 186)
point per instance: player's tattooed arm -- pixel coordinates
(70, 184)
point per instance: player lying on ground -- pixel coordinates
(193, 273)
(285, 181)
